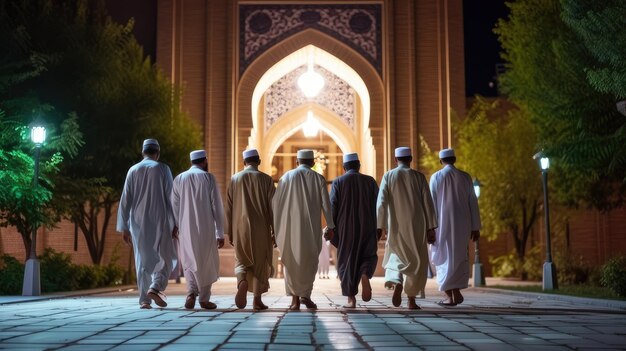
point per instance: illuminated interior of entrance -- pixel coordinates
(349, 139)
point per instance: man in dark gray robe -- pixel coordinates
(353, 202)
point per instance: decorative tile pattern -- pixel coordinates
(357, 25)
(284, 95)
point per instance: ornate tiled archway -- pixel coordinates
(350, 70)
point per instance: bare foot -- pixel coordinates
(258, 304)
(242, 291)
(457, 297)
(397, 295)
(208, 305)
(308, 303)
(295, 303)
(351, 302)
(412, 305)
(366, 293)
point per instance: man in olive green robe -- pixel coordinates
(249, 225)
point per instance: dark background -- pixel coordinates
(481, 44)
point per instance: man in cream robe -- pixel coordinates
(405, 209)
(459, 220)
(145, 217)
(300, 199)
(249, 226)
(199, 214)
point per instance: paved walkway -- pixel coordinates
(488, 320)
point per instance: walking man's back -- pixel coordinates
(459, 221)
(145, 217)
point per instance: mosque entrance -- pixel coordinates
(307, 87)
(310, 97)
(328, 155)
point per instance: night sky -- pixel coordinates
(481, 44)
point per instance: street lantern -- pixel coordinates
(479, 275)
(32, 285)
(549, 269)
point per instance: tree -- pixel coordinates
(99, 72)
(21, 205)
(511, 198)
(550, 66)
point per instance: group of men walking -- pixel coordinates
(157, 211)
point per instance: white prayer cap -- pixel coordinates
(306, 154)
(150, 143)
(250, 153)
(350, 157)
(197, 154)
(446, 153)
(403, 151)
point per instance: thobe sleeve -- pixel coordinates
(382, 204)
(218, 209)
(168, 192)
(328, 213)
(473, 205)
(433, 191)
(334, 205)
(276, 205)
(229, 209)
(123, 210)
(175, 199)
(271, 190)
(429, 207)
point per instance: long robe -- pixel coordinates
(353, 201)
(300, 200)
(457, 208)
(145, 211)
(248, 221)
(199, 214)
(405, 208)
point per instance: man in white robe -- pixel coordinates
(405, 210)
(199, 215)
(249, 223)
(459, 220)
(300, 200)
(145, 217)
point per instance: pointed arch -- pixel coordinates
(372, 134)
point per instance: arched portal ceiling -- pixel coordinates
(284, 95)
(322, 59)
(262, 26)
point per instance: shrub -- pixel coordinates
(614, 275)
(58, 273)
(11, 275)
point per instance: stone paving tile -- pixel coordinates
(241, 346)
(30, 347)
(99, 347)
(485, 322)
(136, 347)
(288, 347)
(50, 337)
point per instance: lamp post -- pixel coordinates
(549, 270)
(32, 285)
(479, 276)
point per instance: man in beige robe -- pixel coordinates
(300, 200)
(405, 210)
(249, 228)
